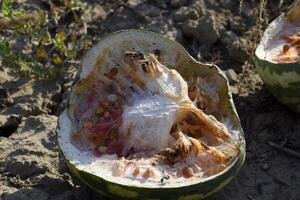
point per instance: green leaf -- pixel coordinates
(7, 8)
(4, 48)
(72, 54)
(59, 42)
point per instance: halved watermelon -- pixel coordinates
(277, 58)
(146, 121)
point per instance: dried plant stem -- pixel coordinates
(15, 21)
(285, 150)
(261, 19)
(280, 3)
(241, 6)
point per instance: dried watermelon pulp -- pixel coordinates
(146, 119)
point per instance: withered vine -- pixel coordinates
(52, 45)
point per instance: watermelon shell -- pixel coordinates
(173, 55)
(282, 79)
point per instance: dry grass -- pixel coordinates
(261, 16)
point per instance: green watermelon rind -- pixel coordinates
(282, 79)
(277, 78)
(199, 190)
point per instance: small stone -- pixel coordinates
(207, 32)
(178, 3)
(237, 25)
(236, 47)
(265, 166)
(238, 50)
(148, 10)
(229, 4)
(93, 13)
(228, 38)
(189, 28)
(121, 18)
(203, 30)
(163, 4)
(185, 13)
(175, 3)
(247, 9)
(102, 149)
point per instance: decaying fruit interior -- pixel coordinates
(281, 41)
(290, 50)
(135, 120)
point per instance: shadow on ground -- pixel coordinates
(268, 174)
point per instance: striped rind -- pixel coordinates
(196, 191)
(282, 79)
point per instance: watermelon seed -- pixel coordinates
(187, 172)
(285, 48)
(148, 173)
(136, 172)
(114, 71)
